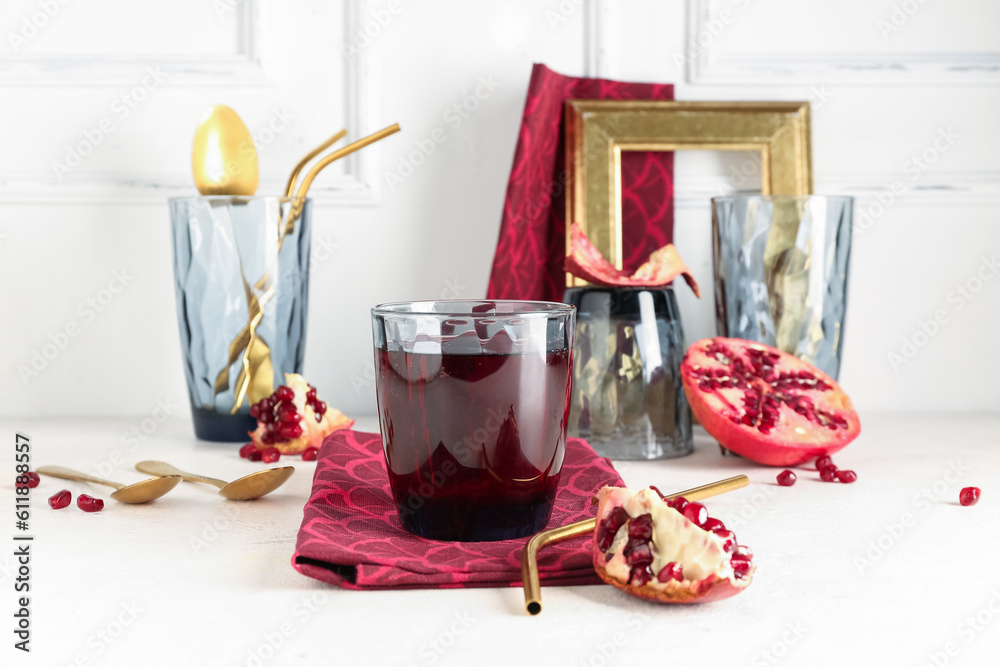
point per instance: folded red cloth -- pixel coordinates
(351, 535)
(528, 263)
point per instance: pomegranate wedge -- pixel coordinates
(651, 548)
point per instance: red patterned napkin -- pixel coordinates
(528, 263)
(352, 537)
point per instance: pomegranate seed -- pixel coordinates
(287, 413)
(638, 553)
(270, 455)
(311, 394)
(678, 503)
(246, 449)
(640, 576)
(283, 394)
(969, 496)
(671, 572)
(713, 525)
(60, 500)
(289, 431)
(846, 476)
(320, 409)
(786, 478)
(268, 437)
(828, 474)
(696, 513)
(310, 454)
(255, 410)
(28, 479)
(610, 527)
(728, 539)
(255, 455)
(641, 527)
(266, 416)
(740, 566)
(744, 551)
(88, 504)
(823, 462)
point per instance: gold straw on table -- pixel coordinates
(529, 557)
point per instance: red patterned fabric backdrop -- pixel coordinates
(528, 263)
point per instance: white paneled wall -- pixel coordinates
(905, 96)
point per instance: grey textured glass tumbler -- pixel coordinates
(628, 401)
(230, 254)
(781, 272)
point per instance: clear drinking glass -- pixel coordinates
(235, 257)
(473, 398)
(781, 272)
(628, 401)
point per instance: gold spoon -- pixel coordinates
(529, 557)
(140, 492)
(251, 486)
(223, 157)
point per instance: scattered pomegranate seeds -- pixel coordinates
(786, 478)
(823, 462)
(60, 500)
(88, 504)
(828, 474)
(310, 454)
(847, 476)
(28, 479)
(255, 455)
(270, 455)
(969, 496)
(246, 449)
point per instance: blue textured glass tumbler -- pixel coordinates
(239, 260)
(628, 401)
(781, 272)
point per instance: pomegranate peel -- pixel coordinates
(663, 266)
(293, 418)
(765, 404)
(678, 563)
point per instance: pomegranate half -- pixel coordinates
(765, 404)
(668, 551)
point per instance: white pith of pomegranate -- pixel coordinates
(649, 547)
(765, 404)
(294, 418)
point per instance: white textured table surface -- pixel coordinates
(887, 571)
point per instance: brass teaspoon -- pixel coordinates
(140, 492)
(251, 486)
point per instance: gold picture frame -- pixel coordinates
(597, 131)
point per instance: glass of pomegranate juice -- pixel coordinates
(473, 398)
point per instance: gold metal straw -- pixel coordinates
(245, 341)
(529, 557)
(290, 186)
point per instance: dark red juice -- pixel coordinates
(473, 443)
